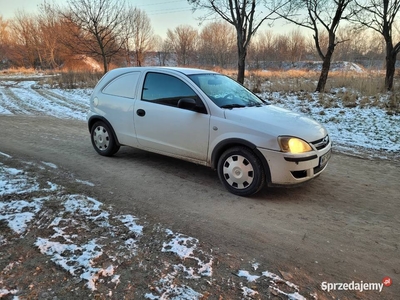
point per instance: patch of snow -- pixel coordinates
(277, 278)
(81, 260)
(181, 245)
(248, 292)
(130, 222)
(246, 274)
(5, 154)
(13, 181)
(85, 182)
(185, 248)
(18, 213)
(38, 101)
(49, 164)
(274, 280)
(168, 290)
(5, 292)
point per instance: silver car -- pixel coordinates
(209, 119)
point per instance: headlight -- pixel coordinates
(293, 145)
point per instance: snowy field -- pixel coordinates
(366, 131)
(70, 243)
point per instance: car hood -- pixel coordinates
(276, 121)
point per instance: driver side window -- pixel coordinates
(167, 90)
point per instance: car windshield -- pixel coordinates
(226, 92)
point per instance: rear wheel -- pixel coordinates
(241, 172)
(103, 139)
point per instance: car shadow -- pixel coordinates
(205, 176)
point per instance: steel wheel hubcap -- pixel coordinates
(238, 171)
(101, 138)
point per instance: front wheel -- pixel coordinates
(103, 139)
(240, 171)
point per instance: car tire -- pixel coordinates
(103, 139)
(241, 171)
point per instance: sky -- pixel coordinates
(164, 14)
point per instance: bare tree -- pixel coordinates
(163, 50)
(281, 47)
(217, 44)
(358, 43)
(243, 16)
(296, 45)
(4, 41)
(380, 15)
(316, 15)
(183, 40)
(262, 49)
(269, 50)
(51, 29)
(96, 25)
(142, 34)
(26, 48)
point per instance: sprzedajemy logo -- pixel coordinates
(356, 286)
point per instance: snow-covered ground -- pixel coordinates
(29, 98)
(82, 234)
(353, 130)
(365, 131)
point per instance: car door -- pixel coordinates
(163, 127)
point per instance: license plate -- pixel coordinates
(323, 160)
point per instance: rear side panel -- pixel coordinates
(115, 101)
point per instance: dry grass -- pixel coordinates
(18, 71)
(72, 80)
(367, 83)
(351, 88)
(393, 105)
(60, 79)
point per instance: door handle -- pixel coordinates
(141, 112)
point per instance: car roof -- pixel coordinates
(186, 71)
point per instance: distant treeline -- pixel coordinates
(54, 40)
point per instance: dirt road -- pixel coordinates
(344, 226)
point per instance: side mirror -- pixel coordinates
(187, 103)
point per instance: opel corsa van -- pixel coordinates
(209, 119)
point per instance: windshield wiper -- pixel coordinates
(255, 104)
(230, 106)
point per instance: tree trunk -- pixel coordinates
(241, 64)
(390, 66)
(105, 64)
(241, 70)
(326, 65)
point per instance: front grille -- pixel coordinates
(322, 143)
(299, 174)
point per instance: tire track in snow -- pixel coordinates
(61, 100)
(3, 105)
(40, 103)
(14, 104)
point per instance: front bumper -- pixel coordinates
(289, 169)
